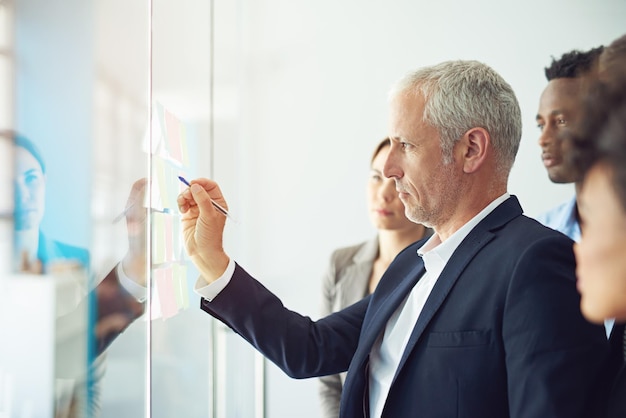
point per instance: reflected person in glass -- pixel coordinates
(119, 296)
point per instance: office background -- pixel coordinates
(286, 100)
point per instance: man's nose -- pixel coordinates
(546, 136)
(390, 168)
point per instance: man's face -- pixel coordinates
(558, 108)
(30, 190)
(600, 261)
(428, 188)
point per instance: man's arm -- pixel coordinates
(116, 310)
(299, 346)
(117, 306)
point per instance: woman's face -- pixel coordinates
(385, 208)
(601, 253)
(30, 191)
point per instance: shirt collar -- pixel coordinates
(436, 253)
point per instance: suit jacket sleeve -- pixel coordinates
(116, 310)
(299, 346)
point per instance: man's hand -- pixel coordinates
(203, 227)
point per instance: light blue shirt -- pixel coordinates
(563, 219)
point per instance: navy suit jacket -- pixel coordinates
(501, 335)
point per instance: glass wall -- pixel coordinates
(105, 104)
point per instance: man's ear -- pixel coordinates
(475, 145)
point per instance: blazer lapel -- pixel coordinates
(440, 291)
(388, 305)
(466, 251)
(379, 312)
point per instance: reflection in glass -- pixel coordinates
(87, 317)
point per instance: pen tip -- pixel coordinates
(181, 178)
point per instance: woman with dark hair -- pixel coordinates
(34, 250)
(598, 152)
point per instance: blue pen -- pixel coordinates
(215, 204)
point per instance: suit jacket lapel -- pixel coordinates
(376, 319)
(388, 305)
(466, 251)
(440, 291)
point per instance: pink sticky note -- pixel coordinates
(173, 127)
(166, 292)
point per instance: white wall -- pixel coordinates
(307, 102)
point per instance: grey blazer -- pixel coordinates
(347, 277)
(345, 282)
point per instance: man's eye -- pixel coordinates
(561, 122)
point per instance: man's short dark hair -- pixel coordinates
(573, 64)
